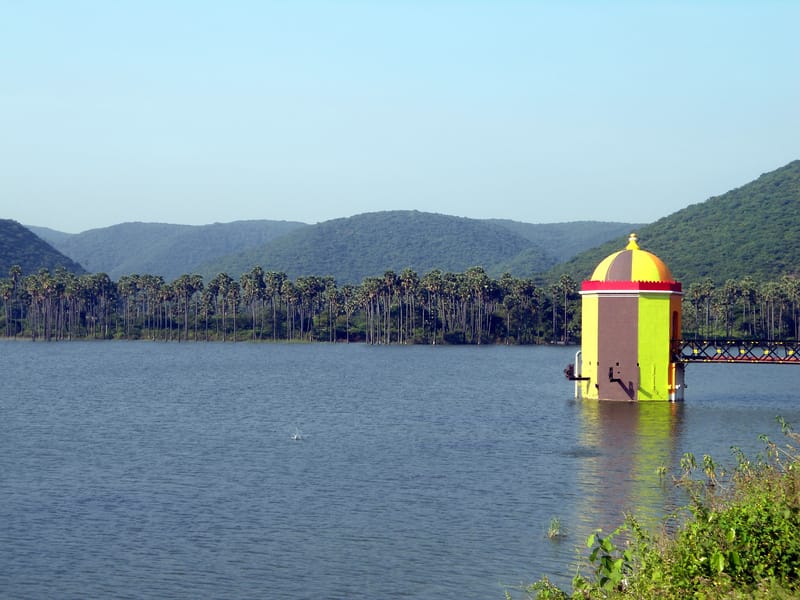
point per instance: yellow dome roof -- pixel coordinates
(632, 264)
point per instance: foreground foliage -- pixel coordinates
(738, 538)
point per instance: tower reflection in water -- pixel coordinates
(626, 461)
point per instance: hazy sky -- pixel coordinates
(198, 112)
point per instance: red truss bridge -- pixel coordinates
(737, 351)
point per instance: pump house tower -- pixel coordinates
(631, 313)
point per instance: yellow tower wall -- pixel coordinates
(654, 334)
(589, 350)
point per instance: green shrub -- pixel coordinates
(739, 538)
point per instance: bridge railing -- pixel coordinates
(737, 351)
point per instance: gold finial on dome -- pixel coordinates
(632, 242)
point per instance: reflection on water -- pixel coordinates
(625, 445)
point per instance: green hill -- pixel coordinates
(369, 244)
(751, 230)
(350, 249)
(20, 246)
(562, 241)
(161, 248)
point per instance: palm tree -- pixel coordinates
(433, 284)
(166, 297)
(150, 287)
(185, 288)
(291, 297)
(232, 298)
(14, 274)
(253, 289)
(568, 288)
(68, 286)
(700, 296)
(273, 282)
(333, 302)
(128, 288)
(555, 291)
(389, 285)
(309, 293)
(791, 291)
(530, 298)
(747, 295)
(197, 286)
(222, 287)
(454, 315)
(726, 297)
(409, 284)
(368, 293)
(209, 300)
(39, 289)
(508, 299)
(772, 297)
(349, 305)
(7, 293)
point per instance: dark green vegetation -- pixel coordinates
(18, 246)
(160, 248)
(750, 231)
(346, 249)
(365, 245)
(368, 244)
(736, 539)
(736, 254)
(562, 241)
(438, 307)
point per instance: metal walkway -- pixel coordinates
(737, 351)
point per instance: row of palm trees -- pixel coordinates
(439, 307)
(743, 308)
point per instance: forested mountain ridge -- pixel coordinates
(368, 244)
(19, 246)
(160, 248)
(352, 248)
(752, 230)
(737, 254)
(347, 249)
(562, 241)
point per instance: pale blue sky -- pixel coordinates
(199, 112)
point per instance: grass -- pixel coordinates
(554, 531)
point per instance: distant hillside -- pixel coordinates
(51, 236)
(161, 248)
(20, 246)
(562, 241)
(751, 230)
(348, 249)
(369, 244)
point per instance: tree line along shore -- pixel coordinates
(395, 308)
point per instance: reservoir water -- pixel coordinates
(166, 470)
